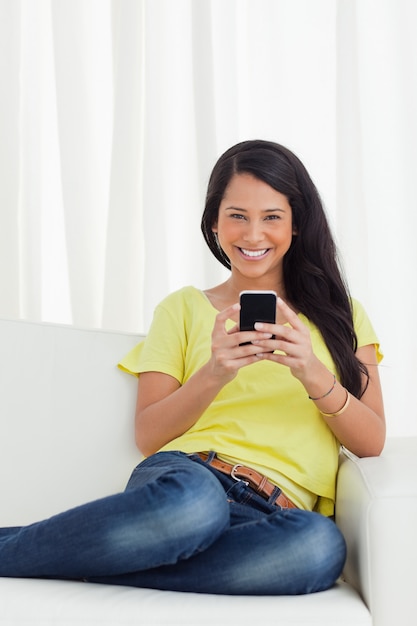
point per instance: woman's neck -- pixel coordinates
(227, 293)
(234, 285)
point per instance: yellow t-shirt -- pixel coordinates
(263, 418)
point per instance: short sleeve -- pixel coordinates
(364, 330)
(130, 363)
(163, 349)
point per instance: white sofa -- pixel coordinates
(66, 418)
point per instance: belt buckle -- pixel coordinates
(236, 478)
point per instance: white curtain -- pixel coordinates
(113, 112)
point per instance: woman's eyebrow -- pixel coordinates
(271, 210)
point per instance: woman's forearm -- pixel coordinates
(358, 424)
(176, 410)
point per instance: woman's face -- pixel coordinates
(254, 227)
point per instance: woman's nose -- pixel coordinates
(253, 233)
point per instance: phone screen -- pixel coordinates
(257, 306)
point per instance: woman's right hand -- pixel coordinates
(228, 354)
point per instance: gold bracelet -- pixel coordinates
(340, 411)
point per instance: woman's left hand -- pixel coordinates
(292, 341)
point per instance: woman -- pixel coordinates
(241, 429)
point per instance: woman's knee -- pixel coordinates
(322, 552)
(305, 553)
(200, 504)
(183, 500)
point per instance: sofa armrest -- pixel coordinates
(376, 510)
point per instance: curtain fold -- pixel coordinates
(84, 101)
(113, 112)
(123, 293)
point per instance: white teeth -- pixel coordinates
(254, 253)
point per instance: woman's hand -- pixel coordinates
(228, 354)
(292, 341)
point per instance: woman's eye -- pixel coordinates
(273, 217)
(238, 216)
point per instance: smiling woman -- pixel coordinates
(232, 420)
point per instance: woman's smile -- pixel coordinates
(254, 255)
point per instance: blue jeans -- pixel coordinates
(181, 525)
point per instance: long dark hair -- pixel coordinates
(313, 279)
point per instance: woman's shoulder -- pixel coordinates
(184, 295)
(365, 331)
(185, 303)
(358, 311)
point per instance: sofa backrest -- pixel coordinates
(66, 418)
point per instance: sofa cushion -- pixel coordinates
(75, 604)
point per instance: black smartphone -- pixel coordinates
(257, 306)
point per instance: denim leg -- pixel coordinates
(172, 508)
(287, 552)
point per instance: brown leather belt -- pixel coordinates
(254, 479)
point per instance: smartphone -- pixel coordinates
(257, 306)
